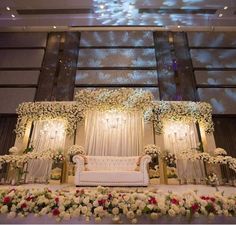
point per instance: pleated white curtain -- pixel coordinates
(46, 135)
(184, 136)
(114, 134)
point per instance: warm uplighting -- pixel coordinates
(178, 26)
(54, 27)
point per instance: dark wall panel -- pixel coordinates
(19, 77)
(7, 134)
(22, 40)
(10, 98)
(225, 134)
(21, 58)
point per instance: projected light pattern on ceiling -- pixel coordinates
(116, 57)
(216, 77)
(116, 38)
(126, 12)
(116, 77)
(223, 100)
(214, 58)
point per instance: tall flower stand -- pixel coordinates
(64, 173)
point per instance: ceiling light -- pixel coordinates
(226, 7)
(54, 27)
(220, 15)
(8, 8)
(102, 6)
(178, 26)
(13, 16)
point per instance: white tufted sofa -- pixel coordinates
(111, 171)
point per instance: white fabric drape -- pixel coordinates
(114, 134)
(46, 135)
(183, 136)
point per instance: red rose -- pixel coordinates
(194, 207)
(23, 205)
(152, 200)
(212, 199)
(174, 201)
(102, 202)
(55, 212)
(6, 200)
(57, 200)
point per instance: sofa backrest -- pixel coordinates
(112, 163)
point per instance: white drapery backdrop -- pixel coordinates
(180, 136)
(114, 133)
(46, 135)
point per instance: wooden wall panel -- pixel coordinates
(225, 133)
(7, 134)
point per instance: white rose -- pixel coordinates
(130, 215)
(98, 219)
(86, 200)
(95, 203)
(115, 211)
(4, 209)
(84, 209)
(134, 221)
(116, 219)
(115, 201)
(139, 212)
(171, 212)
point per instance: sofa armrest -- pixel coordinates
(79, 160)
(145, 160)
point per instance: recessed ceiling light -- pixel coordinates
(54, 27)
(226, 7)
(102, 6)
(13, 16)
(8, 8)
(220, 15)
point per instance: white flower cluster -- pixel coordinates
(21, 159)
(182, 111)
(220, 151)
(58, 157)
(104, 202)
(152, 150)
(212, 179)
(32, 111)
(169, 157)
(76, 150)
(123, 99)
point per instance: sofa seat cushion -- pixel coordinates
(111, 176)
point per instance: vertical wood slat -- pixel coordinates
(166, 74)
(187, 87)
(64, 89)
(49, 68)
(7, 134)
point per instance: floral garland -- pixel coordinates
(21, 159)
(32, 111)
(104, 202)
(76, 150)
(182, 111)
(123, 99)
